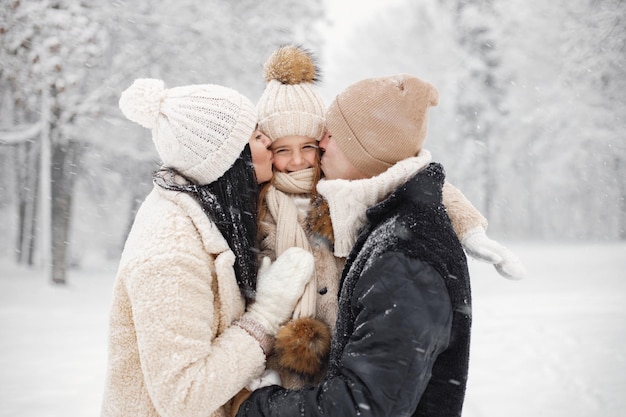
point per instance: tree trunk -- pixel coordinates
(30, 220)
(26, 168)
(620, 170)
(22, 202)
(27, 184)
(64, 159)
(45, 210)
(482, 94)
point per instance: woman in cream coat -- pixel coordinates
(190, 324)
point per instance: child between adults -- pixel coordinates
(291, 112)
(293, 213)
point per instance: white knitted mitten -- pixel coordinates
(479, 246)
(279, 287)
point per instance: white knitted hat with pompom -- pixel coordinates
(291, 104)
(199, 130)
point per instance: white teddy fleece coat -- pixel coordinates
(172, 349)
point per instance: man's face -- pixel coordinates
(334, 163)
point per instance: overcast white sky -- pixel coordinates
(343, 16)
(351, 10)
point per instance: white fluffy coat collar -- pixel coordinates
(348, 200)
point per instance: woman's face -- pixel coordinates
(295, 153)
(261, 156)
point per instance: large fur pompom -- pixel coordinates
(141, 102)
(291, 65)
(303, 345)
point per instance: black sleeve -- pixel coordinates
(403, 321)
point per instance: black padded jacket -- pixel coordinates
(401, 345)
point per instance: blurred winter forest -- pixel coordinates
(531, 123)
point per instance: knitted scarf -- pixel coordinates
(289, 231)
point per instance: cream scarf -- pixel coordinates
(289, 231)
(348, 200)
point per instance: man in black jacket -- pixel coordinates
(401, 345)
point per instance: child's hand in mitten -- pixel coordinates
(478, 245)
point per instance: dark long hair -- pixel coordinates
(231, 203)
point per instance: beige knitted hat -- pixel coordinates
(291, 104)
(199, 130)
(380, 121)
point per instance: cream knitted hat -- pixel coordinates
(199, 130)
(380, 121)
(291, 104)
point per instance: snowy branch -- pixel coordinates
(19, 134)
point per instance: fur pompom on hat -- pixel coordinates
(199, 130)
(302, 346)
(377, 122)
(291, 105)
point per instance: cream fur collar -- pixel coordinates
(348, 200)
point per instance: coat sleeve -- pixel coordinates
(187, 371)
(463, 215)
(403, 319)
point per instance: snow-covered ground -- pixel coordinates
(551, 345)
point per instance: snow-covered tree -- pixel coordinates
(480, 95)
(183, 42)
(80, 55)
(531, 116)
(48, 49)
(566, 68)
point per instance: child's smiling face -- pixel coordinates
(295, 153)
